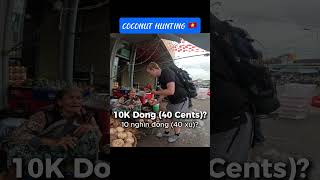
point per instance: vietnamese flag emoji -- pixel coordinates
(192, 25)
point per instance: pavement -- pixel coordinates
(292, 138)
(189, 137)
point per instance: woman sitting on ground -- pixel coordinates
(63, 131)
(130, 101)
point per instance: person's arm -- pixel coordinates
(66, 142)
(166, 92)
(137, 101)
(86, 127)
(161, 99)
(121, 100)
(28, 132)
(48, 141)
(95, 126)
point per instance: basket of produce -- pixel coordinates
(121, 137)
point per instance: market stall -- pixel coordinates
(27, 96)
(131, 54)
(145, 103)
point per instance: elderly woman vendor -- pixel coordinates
(130, 101)
(63, 131)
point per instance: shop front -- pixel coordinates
(39, 59)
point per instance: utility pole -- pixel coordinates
(131, 64)
(69, 19)
(6, 42)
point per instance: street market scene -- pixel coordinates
(54, 82)
(143, 68)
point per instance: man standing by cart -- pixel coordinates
(172, 88)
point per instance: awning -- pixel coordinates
(200, 40)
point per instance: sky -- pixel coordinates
(197, 66)
(277, 25)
